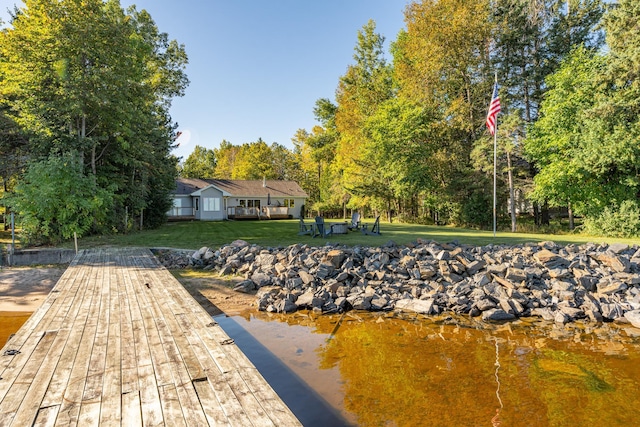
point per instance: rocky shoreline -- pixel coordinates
(562, 284)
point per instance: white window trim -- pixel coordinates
(211, 204)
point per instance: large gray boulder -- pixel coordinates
(633, 317)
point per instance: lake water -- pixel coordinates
(378, 370)
(10, 322)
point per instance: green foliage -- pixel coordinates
(623, 38)
(160, 200)
(315, 154)
(400, 133)
(365, 86)
(201, 163)
(55, 198)
(284, 163)
(477, 210)
(442, 210)
(88, 77)
(225, 156)
(585, 143)
(406, 137)
(249, 161)
(254, 161)
(615, 220)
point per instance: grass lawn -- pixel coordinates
(193, 235)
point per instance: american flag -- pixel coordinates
(494, 109)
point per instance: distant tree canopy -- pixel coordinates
(201, 163)
(86, 78)
(249, 161)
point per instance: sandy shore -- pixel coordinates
(23, 289)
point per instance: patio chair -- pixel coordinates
(305, 228)
(321, 229)
(355, 221)
(375, 229)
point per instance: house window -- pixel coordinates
(197, 203)
(243, 203)
(253, 203)
(211, 204)
(291, 203)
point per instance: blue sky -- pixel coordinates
(257, 67)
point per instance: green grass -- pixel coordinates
(193, 235)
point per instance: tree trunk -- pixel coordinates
(545, 214)
(83, 136)
(468, 93)
(93, 159)
(525, 95)
(6, 207)
(512, 195)
(571, 219)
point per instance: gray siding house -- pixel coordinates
(219, 199)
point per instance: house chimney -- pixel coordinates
(264, 181)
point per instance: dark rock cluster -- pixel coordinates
(596, 282)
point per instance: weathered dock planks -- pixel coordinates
(119, 341)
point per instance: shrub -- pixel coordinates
(615, 221)
(55, 198)
(477, 211)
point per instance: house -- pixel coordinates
(219, 199)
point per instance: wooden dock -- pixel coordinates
(119, 341)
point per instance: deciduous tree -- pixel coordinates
(364, 87)
(56, 199)
(84, 76)
(201, 163)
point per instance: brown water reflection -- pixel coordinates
(381, 370)
(10, 322)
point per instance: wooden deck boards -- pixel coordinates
(119, 341)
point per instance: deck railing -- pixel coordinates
(175, 211)
(279, 211)
(266, 211)
(237, 211)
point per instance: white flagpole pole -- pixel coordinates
(495, 157)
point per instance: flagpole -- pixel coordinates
(495, 157)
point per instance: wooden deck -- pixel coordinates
(119, 341)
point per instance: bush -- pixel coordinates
(477, 211)
(55, 198)
(615, 221)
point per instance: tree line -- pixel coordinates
(86, 135)
(85, 130)
(405, 135)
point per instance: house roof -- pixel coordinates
(186, 186)
(241, 188)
